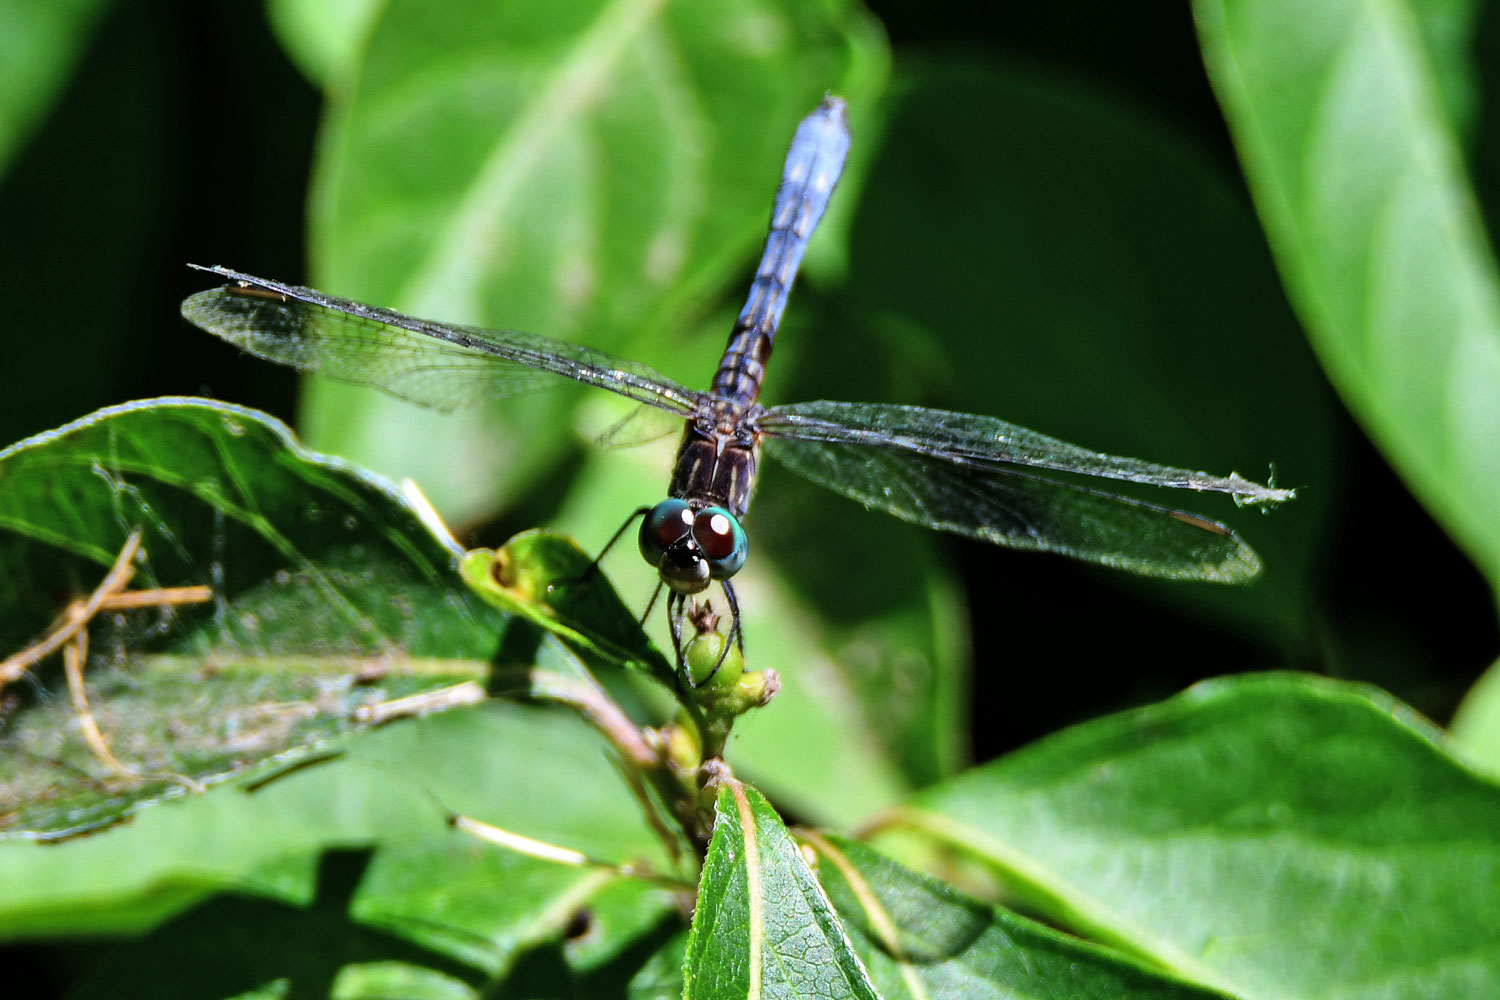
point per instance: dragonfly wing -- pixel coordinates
(435, 364)
(987, 441)
(642, 425)
(944, 482)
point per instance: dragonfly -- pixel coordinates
(972, 475)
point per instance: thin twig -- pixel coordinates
(76, 616)
(75, 654)
(161, 597)
(565, 856)
(439, 700)
(71, 635)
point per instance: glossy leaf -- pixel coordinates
(1271, 836)
(546, 578)
(763, 926)
(302, 604)
(924, 940)
(1348, 139)
(328, 592)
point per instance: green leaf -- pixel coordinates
(531, 771)
(1271, 836)
(39, 43)
(586, 172)
(329, 592)
(763, 926)
(324, 37)
(924, 940)
(660, 977)
(441, 893)
(1476, 724)
(1357, 171)
(320, 574)
(546, 578)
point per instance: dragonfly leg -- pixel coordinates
(705, 622)
(736, 634)
(652, 603)
(593, 567)
(675, 604)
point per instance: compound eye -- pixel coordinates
(663, 527)
(722, 540)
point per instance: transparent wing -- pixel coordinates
(969, 474)
(970, 438)
(642, 425)
(435, 364)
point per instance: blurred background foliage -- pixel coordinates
(1045, 220)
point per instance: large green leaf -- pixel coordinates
(1272, 836)
(241, 863)
(921, 938)
(763, 926)
(587, 170)
(1347, 116)
(328, 592)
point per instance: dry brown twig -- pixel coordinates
(70, 634)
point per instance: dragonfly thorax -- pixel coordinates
(692, 544)
(716, 469)
(728, 417)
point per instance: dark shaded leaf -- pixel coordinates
(1035, 249)
(924, 940)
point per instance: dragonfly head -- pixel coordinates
(689, 548)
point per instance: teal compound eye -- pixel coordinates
(719, 535)
(664, 526)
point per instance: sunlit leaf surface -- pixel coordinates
(325, 37)
(1352, 153)
(546, 578)
(1272, 836)
(763, 927)
(240, 882)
